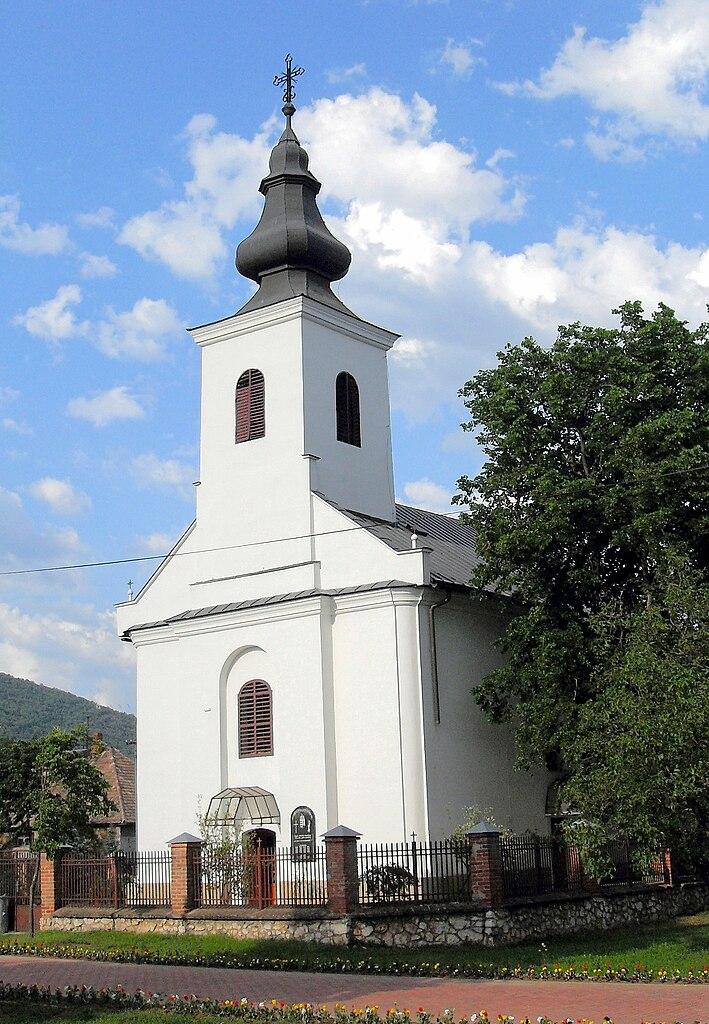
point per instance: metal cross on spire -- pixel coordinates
(286, 80)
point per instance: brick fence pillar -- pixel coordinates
(185, 873)
(666, 861)
(485, 869)
(342, 876)
(50, 884)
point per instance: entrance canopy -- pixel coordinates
(246, 803)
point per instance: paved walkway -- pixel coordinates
(626, 1003)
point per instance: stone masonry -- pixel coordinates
(408, 927)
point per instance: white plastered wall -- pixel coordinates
(187, 738)
(469, 761)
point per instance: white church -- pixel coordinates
(307, 649)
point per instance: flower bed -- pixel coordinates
(367, 965)
(274, 1012)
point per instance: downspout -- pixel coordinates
(434, 654)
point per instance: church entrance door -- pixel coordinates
(261, 860)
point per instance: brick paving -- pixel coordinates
(626, 1003)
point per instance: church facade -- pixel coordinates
(309, 645)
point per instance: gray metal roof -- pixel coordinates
(262, 602)
(452, 560)
(453, 556)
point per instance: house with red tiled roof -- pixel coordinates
(118, 827)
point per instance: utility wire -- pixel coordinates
(281, 540)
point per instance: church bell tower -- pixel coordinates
(295, 394)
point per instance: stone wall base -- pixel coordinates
(406, 927)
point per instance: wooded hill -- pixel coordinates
(29, 709)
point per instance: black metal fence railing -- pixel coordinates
(540, 865)
(414, 872)
(145, 878)
(626, 872)
(258, 877)
(121, 879)
(17, 868)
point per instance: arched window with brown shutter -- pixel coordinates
(347, 408)
(255, 719)
(250, 406)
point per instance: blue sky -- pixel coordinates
(497, 168)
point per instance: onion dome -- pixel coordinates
(291, 250)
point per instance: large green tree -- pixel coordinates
(50, 790)
(591, 513)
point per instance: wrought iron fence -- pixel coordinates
(121, 879)
(625, 871)
(17, 869)
(414, 872)
(258, 877)
(538, 865)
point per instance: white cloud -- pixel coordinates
(22, 543)
(18, 236)
(426, 494)
(499, 154)
(156, 543)
(186, 235)
(97, 266)
(652, 80)
(102, 218)
(9, 423)
(415, 172)
(416, 202)
(401, 241)
(54, 320)
(61, 496)
(8, 394)
(152, 472)
(700, 274)
(81, 654)
(583, 273)
(337, 75)
(140, 333)
(106, 406)
(459, 57)
(411, 351)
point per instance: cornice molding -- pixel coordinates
(298, 308)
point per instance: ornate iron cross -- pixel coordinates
(287, 79)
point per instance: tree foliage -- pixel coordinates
(50, 790)
(591, 512)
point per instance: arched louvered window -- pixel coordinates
(255, 719)
(250, 406)
(347, 407)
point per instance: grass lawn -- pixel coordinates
(34, 1013)
(680, 945)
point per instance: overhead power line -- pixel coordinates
(282, 540)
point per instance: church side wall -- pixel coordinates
(378, 716)
(188, 685)
(468, 760)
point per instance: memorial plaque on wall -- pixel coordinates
(302, 834)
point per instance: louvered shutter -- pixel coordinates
(347, 409)
(255, 719)
(250, 406)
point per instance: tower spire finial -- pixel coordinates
(286, 80)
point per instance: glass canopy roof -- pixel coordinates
(246, 803)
